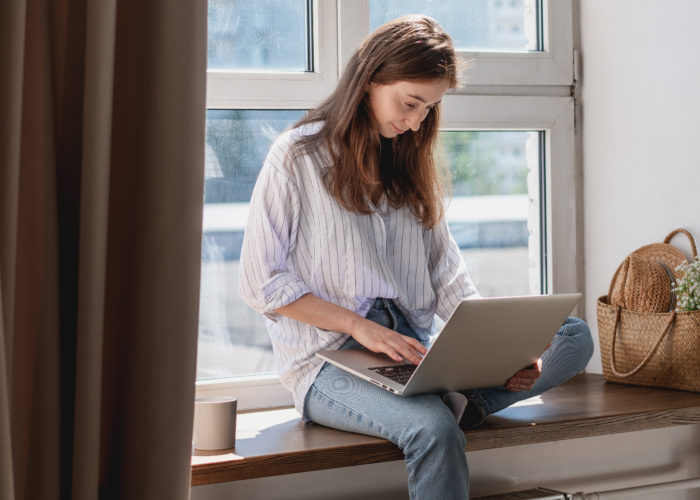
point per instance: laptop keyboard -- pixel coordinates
(397, 373)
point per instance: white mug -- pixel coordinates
(214, 423)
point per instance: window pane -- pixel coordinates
(494, 213)
(258, 35)
(232, 336)
(499, 25)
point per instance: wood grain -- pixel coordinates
(276, 442)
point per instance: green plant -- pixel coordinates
(687, 288)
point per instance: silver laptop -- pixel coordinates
(484, 343)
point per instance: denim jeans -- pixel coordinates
(423, 426)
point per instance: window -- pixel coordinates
(495, 188)
(232, 336)
(546, 25)
(480, 25)
(261, 36)
(508, 136)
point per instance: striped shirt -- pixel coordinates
(300, 240)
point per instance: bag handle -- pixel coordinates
(646, 360)
(667, 241)
(690, 238)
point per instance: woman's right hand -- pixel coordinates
(380, 339)
(328, 316)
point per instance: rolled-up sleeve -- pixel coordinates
(266, 280)
(448, 273)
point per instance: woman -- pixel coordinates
(347, 247)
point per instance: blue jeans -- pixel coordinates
(423, 426)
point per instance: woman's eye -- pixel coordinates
(410, 106)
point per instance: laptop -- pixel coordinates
(484, 343)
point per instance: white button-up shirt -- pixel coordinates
(300, 240)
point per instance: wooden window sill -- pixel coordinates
(275, 442)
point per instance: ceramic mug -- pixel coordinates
(214, 423)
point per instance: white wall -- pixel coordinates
(641, 168)
(640, 100)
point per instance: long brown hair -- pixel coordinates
(408, 48)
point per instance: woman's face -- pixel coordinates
(403, 105)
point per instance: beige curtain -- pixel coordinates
(101, 153)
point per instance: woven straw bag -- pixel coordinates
(643, 341)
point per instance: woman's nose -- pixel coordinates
(413, 121)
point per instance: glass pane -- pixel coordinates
(488, 25)
(494, 212)
(257, 35)
(232, 336)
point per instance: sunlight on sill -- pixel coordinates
(535, 400)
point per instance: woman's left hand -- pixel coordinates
(525, 378)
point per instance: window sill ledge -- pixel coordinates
(275, 442)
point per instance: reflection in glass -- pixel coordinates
(494, 210)
(485, 25)
(258, 35)
(232, 336)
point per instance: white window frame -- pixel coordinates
(554, 116)
(283, 90)
(552, 66)
(505, 91)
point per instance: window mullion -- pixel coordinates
(353, 27)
